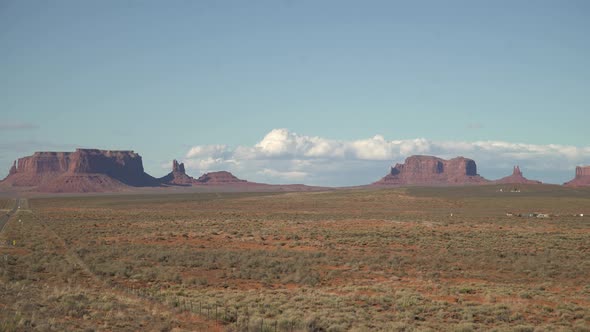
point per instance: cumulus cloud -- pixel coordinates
(209, 163)
(287, 175)
(282, 155)
(280, 142)
(215, 151)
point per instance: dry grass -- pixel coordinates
(43, 288)
(392, 260)
(6, 204)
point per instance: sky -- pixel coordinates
(316, 92)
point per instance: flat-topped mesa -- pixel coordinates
(219, 178)
(582, 171)
(44, 162)
(178, 176)
(516, 178)
(582, 178)
(89, 169)
(430, 170)
(124, 166)
(38, 168)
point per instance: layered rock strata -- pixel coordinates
(219, 178)
(178, 176)
(83, 170)
(582, 178)
(430, 170)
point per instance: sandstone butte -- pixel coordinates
(179, 177)
(516, 178)
(92, 170)
(582, 177)
(85, 170)
(430, 170)
(220, 178)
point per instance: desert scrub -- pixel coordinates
(354, 260)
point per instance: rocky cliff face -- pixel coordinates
(12, 169)
(178, 176)
(124, 166)
(44, 162)
(516, 178)
(178, 168)
(219, 178)
(38, 168)
(582, 177)
(88, 168)
(429, 170)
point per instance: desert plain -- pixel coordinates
(375, 259)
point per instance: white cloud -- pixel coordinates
(286, 175)
(215, 151)
(208, 164)
(282, 155)
(278, 142)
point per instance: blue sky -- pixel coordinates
(162, 77)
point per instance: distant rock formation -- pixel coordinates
(178, 168)
(219, 178)
(582, 177)
(516, 178)
(92, 170)
(430, 170)
(38, 168)
(81, 171)
(81, 183)
(178, 176)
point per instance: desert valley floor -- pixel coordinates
(403, 259)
